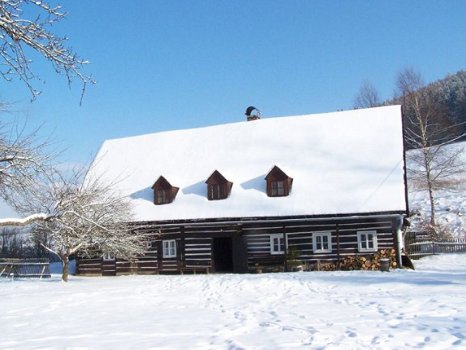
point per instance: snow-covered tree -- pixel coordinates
(75, 217)
(83, 217)
(24, 161)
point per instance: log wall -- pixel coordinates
(194, 243)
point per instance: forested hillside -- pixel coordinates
(449, 97)
(451, 94)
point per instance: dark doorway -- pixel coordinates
(223, 254)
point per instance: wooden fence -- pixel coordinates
(418, 245)
(36, 268)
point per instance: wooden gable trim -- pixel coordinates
(276, 174)
(215, 178)
(164, 192)
(218, 187)
(278, 183)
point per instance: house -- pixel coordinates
(236, 196)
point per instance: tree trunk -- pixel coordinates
(430, 185)
(66, 263)
(432, 205)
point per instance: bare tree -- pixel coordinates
(85, 218)
(367, 96)
(75, 217)
(68, 215)
(26, 29)
(27, 24)
(427, 130)
(22, 161)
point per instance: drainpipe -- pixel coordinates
(399, 239)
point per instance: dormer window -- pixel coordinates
(278, 183)
(216, 192)
(278, 188)
(161, 197)
(164, 193)
(217, 186)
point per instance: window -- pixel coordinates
(278, 183)
(277, 244)
(217, 186)
(278, 188)
(367, 241)
(169, 249)
(162, 197)
(164, 192)
(216, 191)
(322, 242)
(108, 256)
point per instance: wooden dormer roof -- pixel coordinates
(162, 183)
(277, 174)
(216, 178)
(170, 191)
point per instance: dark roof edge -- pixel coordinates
(239, 220)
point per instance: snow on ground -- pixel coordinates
(450, 210)
(425, 308)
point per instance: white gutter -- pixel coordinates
(399, 240)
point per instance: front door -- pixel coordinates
(240, 255)
(223, 254)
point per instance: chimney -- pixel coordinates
(252, 113)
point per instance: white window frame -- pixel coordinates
(169, 248)
(364, 238)
(315, 243)
(279, 236)
(108, 256)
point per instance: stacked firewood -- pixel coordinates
(366, 262)
(369, 262)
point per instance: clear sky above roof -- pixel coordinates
(164, 65)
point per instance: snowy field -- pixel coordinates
(425, 308)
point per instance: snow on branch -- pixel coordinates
(24, 162)
(24, 221)
(27, 24)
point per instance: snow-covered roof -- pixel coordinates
(341, 163)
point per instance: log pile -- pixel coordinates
(362, 262)
(369, 262)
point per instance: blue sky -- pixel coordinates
(162, 65)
